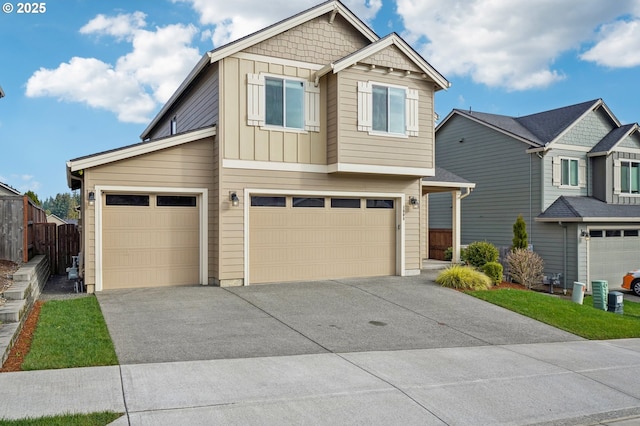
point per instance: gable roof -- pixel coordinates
(331, 6)
(539, 130)
(443, 177)
(588, 209)
(9, 188)
(606, 145)
(392, 39)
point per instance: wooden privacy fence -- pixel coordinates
(45, 242)
(439, 241)
(18, 217)
(68, 245)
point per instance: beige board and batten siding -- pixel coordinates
(232, 225)
(357, 147)
(184, 166)
(245, 142)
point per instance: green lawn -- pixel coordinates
(94, 419)
(70, 333)
(582, 320)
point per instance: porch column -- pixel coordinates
(455, 226)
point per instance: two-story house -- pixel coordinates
(572, 172)
(295, 153)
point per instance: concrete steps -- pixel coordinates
(28, 282)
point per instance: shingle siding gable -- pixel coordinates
(588, 131)
(317, 41)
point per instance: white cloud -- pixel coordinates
(137, 83)
(236, 19)
(502, 43)
(121, 26)
(26, 183)
(618, 45)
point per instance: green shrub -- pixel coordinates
(448, 254)
(519, 233)
(494, 271)
(480, 252)
(526, 267)
(463, 278)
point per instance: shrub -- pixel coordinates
(525, 266)
(480, 252)
(463, 278)
(520, 233)
(448, 254)
(494, 271)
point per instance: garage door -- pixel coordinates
(612, 253)
(311, 238)
(149, 240)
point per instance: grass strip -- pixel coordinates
(93, 419)
(583, 320)
(70, 333)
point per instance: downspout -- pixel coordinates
(564, 257)
(466, 194)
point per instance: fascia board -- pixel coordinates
(139, 149)
(491, 126)
(289, 23)
(202, 63)
(469, 185)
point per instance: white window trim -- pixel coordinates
(617, 177)
(202, 193)
(256, 103)
(557, 172)
(400, 221)
(365, 109)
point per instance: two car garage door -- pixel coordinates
(613, 253)
(295, 238)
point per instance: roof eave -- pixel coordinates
(201, 65)
(588, 219)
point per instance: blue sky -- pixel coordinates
(86, 76)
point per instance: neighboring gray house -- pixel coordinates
(573, 173)
(8, 190)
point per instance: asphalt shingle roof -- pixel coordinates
(614, 136)
(443, 175)
(540, 128)
(565, 208)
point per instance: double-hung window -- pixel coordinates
(387, 109)
(285, 102)
(629, 177)
(569, 172)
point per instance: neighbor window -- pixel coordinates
(569, 172)
(284, 103)
(174, 125)
(629, 177)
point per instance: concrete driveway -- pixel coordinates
(350, 315)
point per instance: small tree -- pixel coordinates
(520, 234)
(480, 252)
(525, 266)
(33, 196)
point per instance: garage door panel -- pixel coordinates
(309, 243)
(150, 246)
(610, 257)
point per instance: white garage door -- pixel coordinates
(295, 238)
(612, 253)
(149, 240)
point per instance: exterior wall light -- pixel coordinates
(233, 197)
(92, 198)
(413, 201)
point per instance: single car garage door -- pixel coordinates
(294, 238)
(149, 240)
(613, 253)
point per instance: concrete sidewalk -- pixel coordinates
(568, 383)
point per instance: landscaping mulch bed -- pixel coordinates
(23, 344)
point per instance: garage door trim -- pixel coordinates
(400, 225)
(203, 243)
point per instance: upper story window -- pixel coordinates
(569, 172)
(278, 101)
(174, 125)
(629, 177)
(387, 109)
(284, 103)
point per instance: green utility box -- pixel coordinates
(600, 290)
